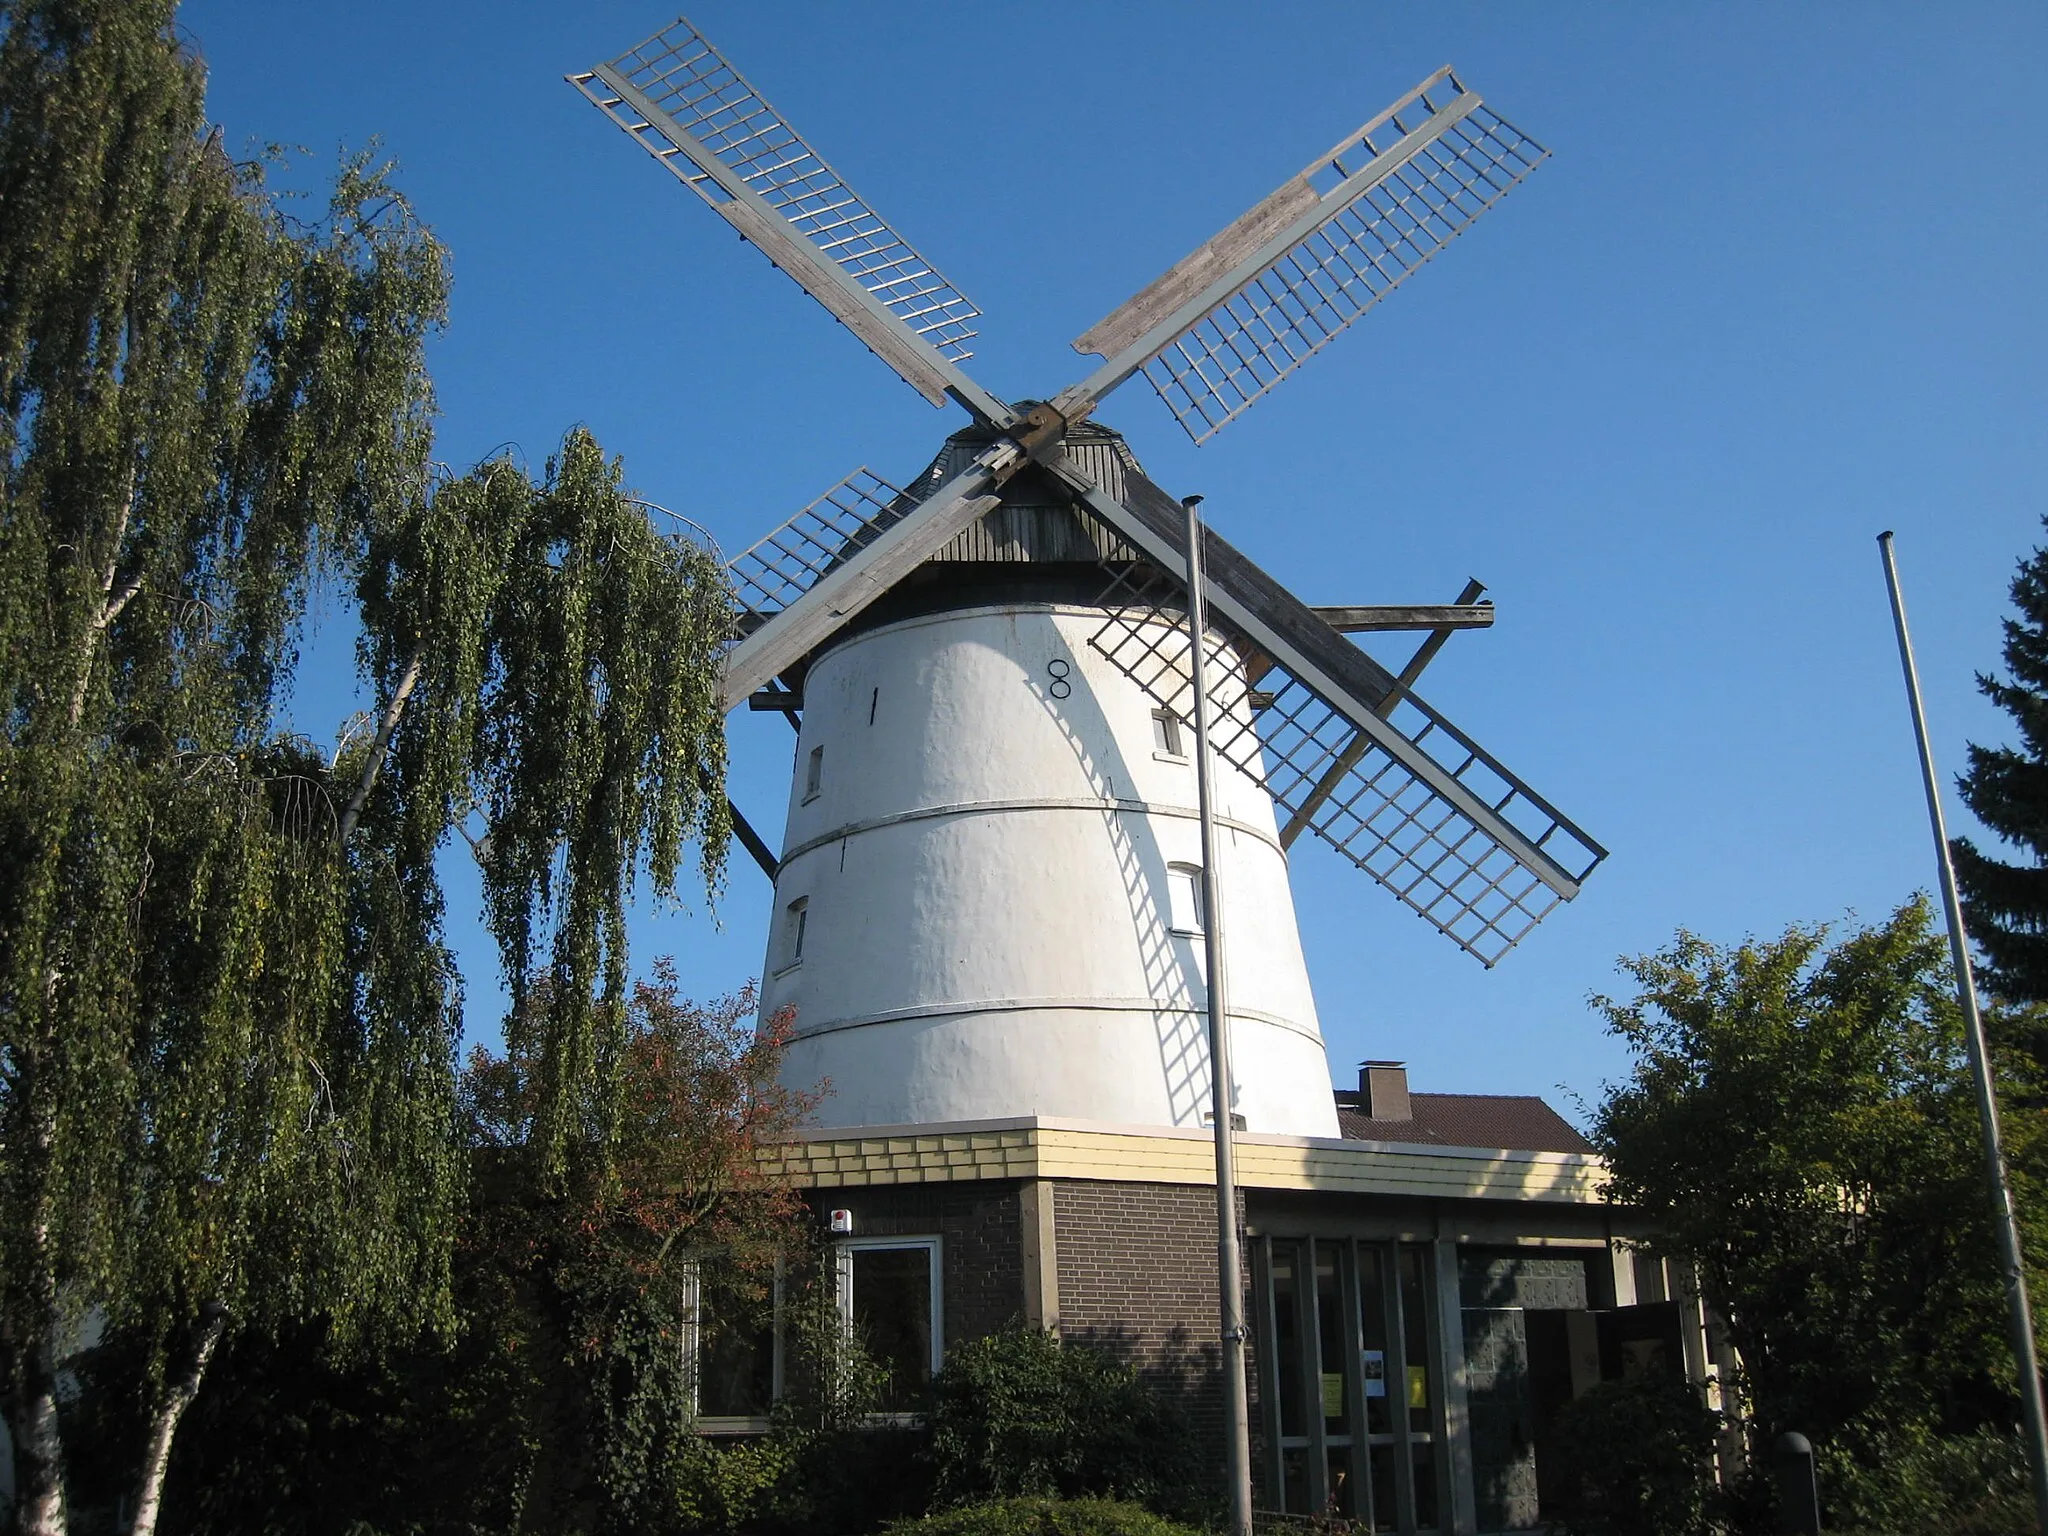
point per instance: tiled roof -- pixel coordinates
(1518, 1122)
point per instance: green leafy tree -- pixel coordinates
(227, 1013)
(564, 1403)
(1799, 1123)
(1636, 1458)
(587, 1264)
(2006, 904)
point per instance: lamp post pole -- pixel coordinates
(1229, 1284)
(2019, 1315)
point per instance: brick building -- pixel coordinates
(1426, 1288)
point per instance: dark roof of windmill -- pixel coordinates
(1515, 1122)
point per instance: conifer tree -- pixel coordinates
(228, 1015)
(2006, 903)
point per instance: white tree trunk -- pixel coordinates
(170, 1407)
(407, 681)
(115, 594)
(38, 1455)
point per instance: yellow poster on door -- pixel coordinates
(1418, 1386)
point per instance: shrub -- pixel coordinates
(1043, 1517)
(1021, 1413)
(1635, 1458)
(1960, 1485)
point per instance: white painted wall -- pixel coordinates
(984, 872)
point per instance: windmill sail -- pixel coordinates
(803, 581)
(1400, 791)
(683, 101)
(1245, 309)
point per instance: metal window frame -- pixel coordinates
(691, 1343)
(934, 1245)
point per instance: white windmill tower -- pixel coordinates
(985, 900)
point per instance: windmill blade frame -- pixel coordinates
(1224, 325)
(1419, 805)
(686, 105)
(827, 563)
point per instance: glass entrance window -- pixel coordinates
(889, 1296)
(1348, 1351)
(732, 1342)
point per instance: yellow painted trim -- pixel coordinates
(1045, 1149)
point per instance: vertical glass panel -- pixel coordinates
(1294, 1480)
(1383, 1518)
(1332, 1343)
(1184, 898)
(1372, 1320)
(892, 1319)
(1287, 1337)
(1418, 1391)
(1341, 1499)
(735, 1352)
(1425, 1487)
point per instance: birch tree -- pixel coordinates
(228, 1014)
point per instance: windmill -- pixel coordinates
(981, 903)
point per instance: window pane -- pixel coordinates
(1340, 1502)
(1166, 732)
(1420, 1390)
(1287, 1338)
(1294, 1478)
(799, 919)
(1372, 1323)
(1184, 899)
(1425, 1487)
(1383, 1489)
(735, 1358)
(1332, 1342)
(892, 1319)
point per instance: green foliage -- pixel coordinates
(1020, 1412)
(1043, 1517)
(1636, 1458)
(1960, 1485)
(2006, 904)
(227, 1010)
(1800, 1126)
(564, 1402)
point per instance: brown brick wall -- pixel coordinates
(1137, 1271)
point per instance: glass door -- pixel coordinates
(1348, 1375)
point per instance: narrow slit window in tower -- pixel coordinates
(1184, 898)
(1166, 740)
(795, 920)
(814, 773)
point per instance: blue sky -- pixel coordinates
(1780, 287)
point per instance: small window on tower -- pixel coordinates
(795, 919)
(1166, 734)
(814, 773)
(1184, 898)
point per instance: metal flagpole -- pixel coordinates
(2019, 1314)
(1229, 1284)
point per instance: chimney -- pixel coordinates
(1383, 1090)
